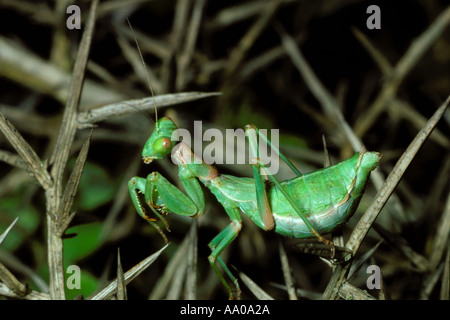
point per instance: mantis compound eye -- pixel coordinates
(162, 145)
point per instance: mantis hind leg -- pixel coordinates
(219, 243)
(263, 205)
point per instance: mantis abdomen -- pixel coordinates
(327, 197)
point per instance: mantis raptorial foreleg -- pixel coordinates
(162, 197)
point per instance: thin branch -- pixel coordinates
(445, 287)
(287, 273)
(240, 52)
(383, 63)
(134, 59)
(85, 119)
(68, 126)
(164, 280)
(349, 292)
(131, 274)
(254, 288)
(33, 295)
(185, 57)
(442, 236)
(5, 233)
(28, 69)
(13, 160)
(59, 161)
(191, 268)
(11, 282)
(72, 187)
(369, 217)
(397, 107)
(392, 180)
(416, 50)
(35, 165)
(121, 285)
(330, 105)
(396, 241)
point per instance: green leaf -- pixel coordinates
(86, 241)
(289, 140)
(83, 244)
(10, 208)
(96, 188)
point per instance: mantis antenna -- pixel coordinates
(146, 71)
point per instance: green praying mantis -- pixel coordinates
(305, 206)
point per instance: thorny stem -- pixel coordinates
(369, 217)
(55, 216)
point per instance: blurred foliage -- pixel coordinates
(16, 205)
(96, 188)
(81, 242)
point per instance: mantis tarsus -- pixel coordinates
(302, 207)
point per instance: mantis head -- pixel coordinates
(160, 143)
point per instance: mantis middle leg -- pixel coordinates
(263, 204)
(219, 243)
